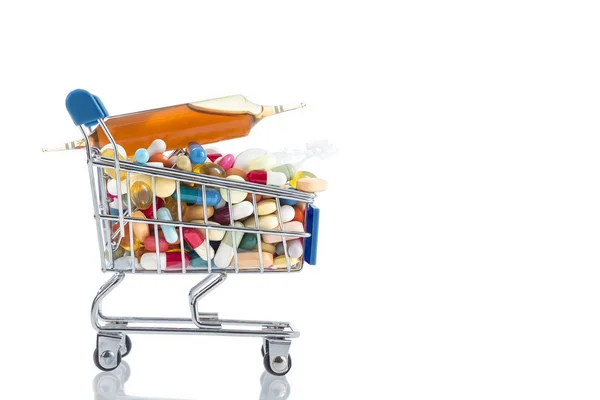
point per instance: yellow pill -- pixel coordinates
(141, 195)
(280, 261)
(250, 222)
(196, 212)
(270, 221)
(165, 187)
(234, 196)
(311, 185)
(183, 163)
(173, 207)
(300, 175)
(266, 207)
(265, 162)
(108, 152)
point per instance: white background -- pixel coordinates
(459, 238)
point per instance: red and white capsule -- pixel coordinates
(267, 177)
(196, 241)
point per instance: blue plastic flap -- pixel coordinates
(84, 107)
(312, 227)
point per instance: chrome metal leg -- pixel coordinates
(205, 286)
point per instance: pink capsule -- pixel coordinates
(267, 177)
(196, 241)
(226, 161)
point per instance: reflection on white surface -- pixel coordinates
(111, 386)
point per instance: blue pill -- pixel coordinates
(142, 156)
(288, 202)
(169, 231)
(197, 153)
(194, 195)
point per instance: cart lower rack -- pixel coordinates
(119, 223)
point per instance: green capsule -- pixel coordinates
(248, 241)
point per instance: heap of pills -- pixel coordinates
(143, 196)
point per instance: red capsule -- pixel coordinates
(149, 212)
(174, 260)
(150, 244)
(213, 156)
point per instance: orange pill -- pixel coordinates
(159, 157)
(236, 171)
(249, 197)
(298, 214)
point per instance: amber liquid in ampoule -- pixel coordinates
(176, 125)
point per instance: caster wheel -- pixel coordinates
(282, 366)
(128, 345)
(97, 361)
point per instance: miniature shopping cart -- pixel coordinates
(113, 341)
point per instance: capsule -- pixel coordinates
(226, 161)
(267, 177)
(194, 195)
(294, 248)
(293, 226)
(157, 146)
(233, 196)
(168, 261)
(196, 152)
(239, 211)
(196, 241)
(168, 230)
(287, 169)
(225, 251)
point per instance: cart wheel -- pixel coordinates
(128, 345)
(283, 366)
(97, 361)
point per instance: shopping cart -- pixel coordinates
(113, 229)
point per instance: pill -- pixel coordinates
(125, 241)
(249, 241)
(266, 161)
(287, 213)
(165, 187)
(266, 247)
(211, 169)
(239, 211)
(141, 195)
(233, 196)
(213, 234)
(258, 197)
(311, 185)
(288, 202)
(294, 248)
(162, 235)
(244, 158)
(195, 240)
(226, 250)
(252, 259)
(168, 230)
(293, 226)
(196, 212)
(196, 152)
(108, 152)
(267, 177)
(266, 207)
(214, 156)
(173, 206)
(280, 261)
(168, 261)
(158, 158)
(157, 164)
(222, 203)
(140, 230)
(194, 195)
(236, 171)
(226, 161)
(183, 163)
(150, 244)
(149, 212)
(287, 169)
(172, 161)
(142, 156)
(250, 222)
(157, 146)
(300, 175)
(270, 221)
